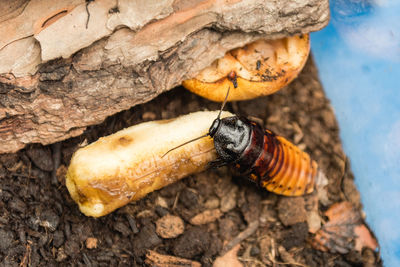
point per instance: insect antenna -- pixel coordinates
(223, 103)
(187, 142)
(207, 134)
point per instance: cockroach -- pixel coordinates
(127, 165)
(266, 158)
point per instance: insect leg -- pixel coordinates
(219, 162)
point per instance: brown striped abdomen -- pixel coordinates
(282, 167)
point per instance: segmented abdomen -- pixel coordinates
(283, 168)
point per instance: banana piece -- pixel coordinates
(129, 164)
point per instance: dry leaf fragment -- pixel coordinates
(344, 231)
(364, 238)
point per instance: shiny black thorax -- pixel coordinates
(237, 140)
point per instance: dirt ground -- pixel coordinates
(41, 226)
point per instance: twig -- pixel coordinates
(272, 253)
(288, 259)
(241, 236)
(26, 260)
(176, 200)
(86, 260)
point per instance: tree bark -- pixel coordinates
(65, 65)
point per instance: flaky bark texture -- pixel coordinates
(62, 69)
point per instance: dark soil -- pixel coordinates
(41, 225)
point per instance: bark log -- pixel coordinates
(65, 65)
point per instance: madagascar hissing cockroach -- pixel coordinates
(267, 159)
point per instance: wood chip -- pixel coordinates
(160, 201)
(229, 259)
(212, 203)
(322, 188)
(169, 226)
(159, 260)
(292, 210)
(206, 217)
(313, 218)
(228, 201)
(91, 242)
